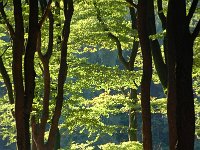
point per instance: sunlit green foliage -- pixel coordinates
(109, 146)
(7, 122)
(122, 146)
(108, 86)
(87, 31)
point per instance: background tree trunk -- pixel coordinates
(147, 74)
(132, 135)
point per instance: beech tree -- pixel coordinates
(180, 46)
(37, 42)
(128, 64)
(24, 62)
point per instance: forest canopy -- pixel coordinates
(99, 74)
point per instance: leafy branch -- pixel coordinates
(112, 36)
(9, 26)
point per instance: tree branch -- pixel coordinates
(41, 68)
(119, 48)
(192, 10)
(46, 73)
(48, 14)
(111, 36)
(50, 42)
(7, 81)
(39, 47)
(161, 14)
(4, 51)
(9, 26)
(196, 31)
(133, 55)
(8, 84)
(131, 3)
(135, 42)
(45, 15)
(68, 12)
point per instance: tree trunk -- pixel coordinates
(163, 20)
(132, 133)
(171, 95)
(68, 12)
(185, 101)
(57, 141)
(181, 42)
(160, 66)
(147, 74)
(29, 72)
(18, 48)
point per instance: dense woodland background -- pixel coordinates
(100, 74)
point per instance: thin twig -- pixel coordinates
(4, 51)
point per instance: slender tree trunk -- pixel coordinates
(171, 82)
(57, 141)
(171, 97)
(163, 20)
(147, 74)
(29, 72)
(57, 10)
(160, 66)
(18, 48)
(68, 12)
(132, 133)
(7, 81)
